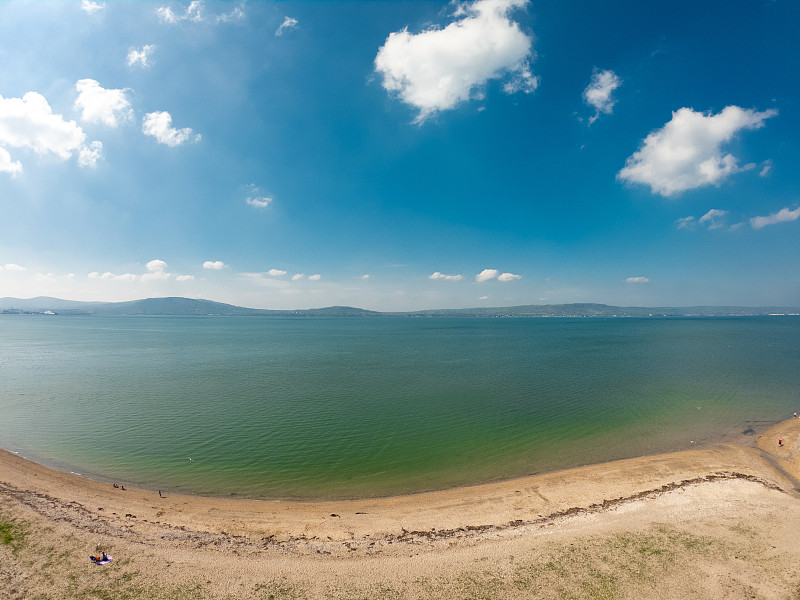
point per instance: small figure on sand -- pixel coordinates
(780, 441)
(102, 559)
(159, 493)
(115, 485)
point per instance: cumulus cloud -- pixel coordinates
(7, 165)
(438, 275)
(157, 269)
(214, 265)
(686, 153)
(686, 223)
(365, 276)
(288, 23)
(486, 275)
(637, 280)
(276, 273)
(437, 69)
(109, 276)
(100, 105)
(13, 267)
(29, 122)
(598, 94)
(508, 277)
(90, 7)
(316, 277)
(297, 276)
(141, 56)
(89, 155)
(159, 125)
(782, 216)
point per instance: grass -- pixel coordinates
(13, 533)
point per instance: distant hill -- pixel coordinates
(190, 307)
(164, 307)
(587, 310)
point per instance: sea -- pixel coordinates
(312, 407)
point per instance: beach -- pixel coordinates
(715, 522)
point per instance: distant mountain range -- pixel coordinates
(192, 307)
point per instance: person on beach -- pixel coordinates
(159, 493)
(780, 441)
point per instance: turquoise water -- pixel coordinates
(314, 407)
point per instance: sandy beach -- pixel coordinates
(716, 522)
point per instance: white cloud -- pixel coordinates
(486, 275)
(766, 169)
(141, 56)
(156, 265)
(100, 105)
(686, 223)
(438, 275)
(365, 276)
(483, 298)
(90, 7)
(288, 23)
(214, 265)
(782, 216)
(316, 277)
(637, 280)
(259, 201)
(89, 155)
(29, 122)
(508, 277)
(297, 276)
(713, 218)
(276, 273)
(13, 267)
(685, 153)
(157, 269)
(159, 125)
(598, 93)
(439, 68)
(193, 12)
(109, 276)
(184, 278)
(235, 15)
(7, 165)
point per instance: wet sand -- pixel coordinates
(717, 522)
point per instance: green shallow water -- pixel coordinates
(313, 407)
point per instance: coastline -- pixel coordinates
(409, 544)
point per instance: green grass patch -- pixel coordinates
(12, 533)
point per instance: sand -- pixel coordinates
(716, 522)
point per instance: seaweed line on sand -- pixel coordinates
(80, 517)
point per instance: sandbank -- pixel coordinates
(716, 522)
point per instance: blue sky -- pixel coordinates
(401, 155)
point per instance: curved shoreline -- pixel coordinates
(281, 537)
